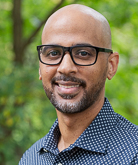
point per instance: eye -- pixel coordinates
(83, 53)
(53, 53)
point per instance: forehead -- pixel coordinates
(72, 27)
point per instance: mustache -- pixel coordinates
(68, 78)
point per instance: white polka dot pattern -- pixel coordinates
(109, 140)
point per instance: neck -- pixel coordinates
(73, 125)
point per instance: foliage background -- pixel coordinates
(25, 113)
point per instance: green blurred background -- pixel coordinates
(26, 115)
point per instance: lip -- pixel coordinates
(67, 83)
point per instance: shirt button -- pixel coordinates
(44, 150)
(59, 164)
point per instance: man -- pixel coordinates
(75, 60)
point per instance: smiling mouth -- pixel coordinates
(68, 82)
(67, 90)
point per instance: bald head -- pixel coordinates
(74, 18)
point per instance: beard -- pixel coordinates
(89, 97)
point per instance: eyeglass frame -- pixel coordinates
(69, 49)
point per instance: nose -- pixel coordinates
(67, 66)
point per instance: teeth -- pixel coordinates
(71, 86)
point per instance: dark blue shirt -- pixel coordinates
(109, 139)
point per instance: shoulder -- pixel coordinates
(32, 152)
(123, 143)
(126, 125)
(125, 134)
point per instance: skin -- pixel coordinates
(71, 25)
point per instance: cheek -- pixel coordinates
(47, 73)
(92, 74)
(88, 73)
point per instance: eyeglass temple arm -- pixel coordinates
(105, 50)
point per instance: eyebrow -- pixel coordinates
(82, 44)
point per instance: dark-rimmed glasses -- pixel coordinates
(83, 55)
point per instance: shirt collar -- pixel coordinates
(96, 136)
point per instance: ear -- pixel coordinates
(40, 77)
(113, 61)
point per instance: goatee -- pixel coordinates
(89, 97)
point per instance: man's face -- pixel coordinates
(72, 88)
